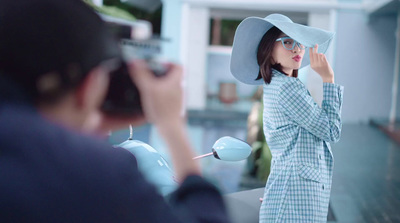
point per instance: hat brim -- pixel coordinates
(249, 33)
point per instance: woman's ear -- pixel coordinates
(92, 91)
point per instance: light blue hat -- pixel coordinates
(249, 33)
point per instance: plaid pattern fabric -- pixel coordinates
(298, 133)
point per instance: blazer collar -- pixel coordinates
(276, 72)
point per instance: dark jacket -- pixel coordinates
(51, 174)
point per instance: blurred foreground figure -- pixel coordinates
(55, 61)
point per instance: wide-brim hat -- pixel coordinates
(249, 33)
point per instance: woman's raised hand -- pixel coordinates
(320, 64)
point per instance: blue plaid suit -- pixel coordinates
(298, 133)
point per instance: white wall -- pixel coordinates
(321, 20)
(364, 64)
(196, 32)
(218, 70)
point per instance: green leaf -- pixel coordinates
(111, 11)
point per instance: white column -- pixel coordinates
(195, 34)
(396, 71)
(171, 29)
(186, 29)
(321, 20)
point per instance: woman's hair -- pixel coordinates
(264, 56)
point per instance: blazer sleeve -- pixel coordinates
(323, 122)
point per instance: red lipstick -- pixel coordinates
(297, 58)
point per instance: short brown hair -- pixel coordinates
(264, 55)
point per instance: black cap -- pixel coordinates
(64, 38)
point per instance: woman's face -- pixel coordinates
(289, 59)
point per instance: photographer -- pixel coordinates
(55, 61)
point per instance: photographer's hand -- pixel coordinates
(162, 102)
(162, 97)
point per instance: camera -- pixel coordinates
(136, 42)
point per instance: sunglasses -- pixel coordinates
(289, 43)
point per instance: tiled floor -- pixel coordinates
(366, 180)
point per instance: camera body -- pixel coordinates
(136, 42)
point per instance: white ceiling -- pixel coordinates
(240, 14)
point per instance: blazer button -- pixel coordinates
(323, 187)
(320, 156)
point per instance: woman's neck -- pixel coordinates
(288, 71)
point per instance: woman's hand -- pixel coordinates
(320, 64)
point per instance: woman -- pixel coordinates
(270, 51)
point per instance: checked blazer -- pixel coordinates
(298, 133)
